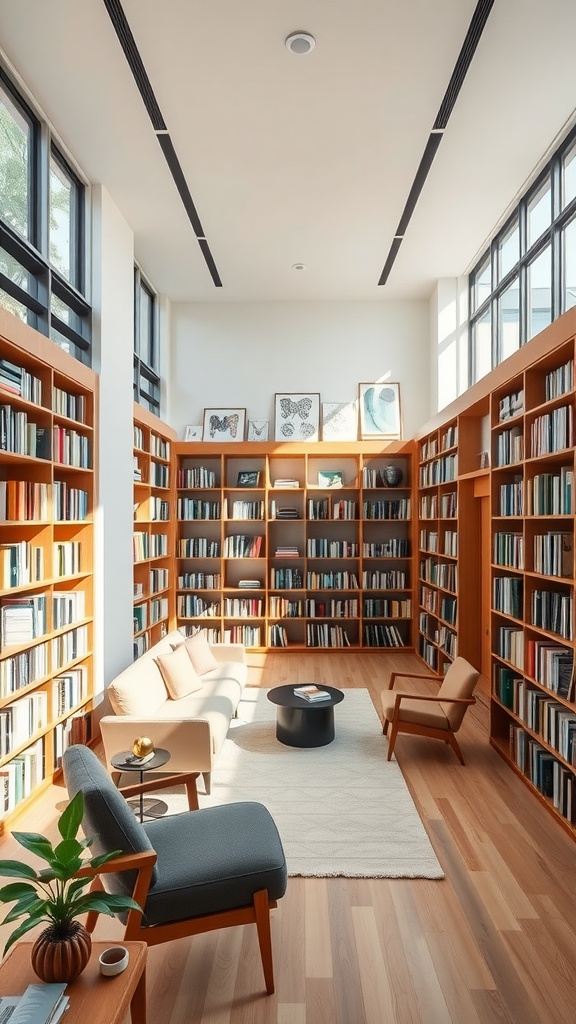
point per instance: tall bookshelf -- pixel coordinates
(154, 585)
(516, 448)
(48, 403)
(313, 551)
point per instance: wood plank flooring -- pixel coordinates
(493, 943)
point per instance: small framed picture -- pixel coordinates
(223, 425)
(257, 430)
(380, 410)
(340, 421)
(297, 417)
(330, 478)
(248, 478)
(193, 433)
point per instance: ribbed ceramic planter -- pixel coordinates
(58, 959)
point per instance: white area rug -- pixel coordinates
(342, 809)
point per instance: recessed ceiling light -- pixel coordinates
(298, 266)
(300, 42)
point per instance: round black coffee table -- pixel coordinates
(126, 762)
(302, 723)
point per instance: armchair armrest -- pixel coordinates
(435, 699)
(410, 675)
(143, 864)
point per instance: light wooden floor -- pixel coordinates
(495, 942)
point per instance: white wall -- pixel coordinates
(113, 306)
(448, 331)
(241, 354)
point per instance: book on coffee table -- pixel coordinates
(311, 692)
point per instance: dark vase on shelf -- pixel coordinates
(391, 476)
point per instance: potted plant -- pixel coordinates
(55, 895)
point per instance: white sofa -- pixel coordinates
(191, 727)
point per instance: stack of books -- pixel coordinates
(249, 584)
(311, 692)
(286, 551)
(286, 482)
(42, 1004)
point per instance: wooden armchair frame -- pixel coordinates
(257, 913)
(415, 728)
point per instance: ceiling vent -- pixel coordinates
(300, 42)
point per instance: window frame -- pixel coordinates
(147, 381)
(552, 236)
(33, 252)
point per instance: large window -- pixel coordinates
(146, 356)
(527, 277)
(42, 236)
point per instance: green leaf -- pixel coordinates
(77, 885)
(104, 903)
(14, 891)
(46, 875)
(68, 850)
(103, 858)
(36, 844)
(66, 871)
(26, 926)
(16, 869)
(34, 908)
(71, 817)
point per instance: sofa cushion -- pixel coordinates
(200, 654)
(138, 690)
(178, 673)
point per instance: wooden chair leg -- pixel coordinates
(453, 742)
(392, 740)
(262, 908)
(207, 782)
(192, 794)
(385, 727)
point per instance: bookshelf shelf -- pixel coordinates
(310, 543)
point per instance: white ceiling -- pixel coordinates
(305, 159)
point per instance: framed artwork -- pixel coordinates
(340, 421)
(257, 430)
(297, 417)
(193, 433)
(223, 425)
(380, 410)
(332, 478)
(248, 478)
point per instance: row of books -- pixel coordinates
(21, 563)
(159, 579)
(394, 547)
(65, 403)
(23, 500)
(22, 619)
(441, 471)
(552, 432)
(508, 595)
(394, 579)
(396, 508)
(159, 475)
(69, 690)
(22, 436)
(198, 547)
(511, 405)
(243, 607)
(195, 508)
(553, 555)
(512, 498)
(19, 381)
(381, 635)
(325, 635)
(190, 605)
(323, 547)
(550, 494)
(67, 557)
(70, 447)
(510, 446)
(444, 506)
(158, 609)
(509, 549)
(552, 610)
(197, 476)
(547, 775)
(22, 669)
(20, 776)
(441, 574)
(67, 607)
(239, 545)
(200, 581)
(373, 478)
(21, 719)
(159, 510)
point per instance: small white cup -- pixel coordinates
(113, 960)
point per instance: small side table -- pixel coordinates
(93, 997)
(123, 762)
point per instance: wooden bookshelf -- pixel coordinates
(154, 530)
(291, 561)
(520, 556)
(48, 403)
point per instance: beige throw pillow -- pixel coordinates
(200, 654)
(178, 673)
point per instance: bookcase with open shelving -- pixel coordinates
(154, 533)
(47, 456)
(533, 712)
(312, 551)
(438, 546)
(516, 449)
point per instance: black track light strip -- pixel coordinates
(136, 65)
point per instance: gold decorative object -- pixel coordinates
(142, 746)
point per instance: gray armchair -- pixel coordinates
(192, 872)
